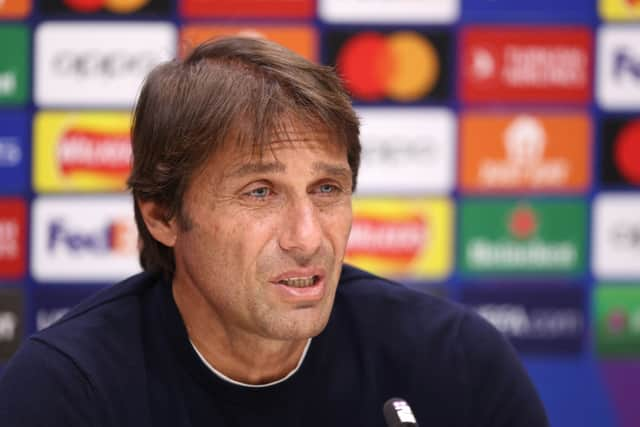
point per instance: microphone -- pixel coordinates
(397, 413)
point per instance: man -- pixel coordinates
(245, 157)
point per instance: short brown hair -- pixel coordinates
(237, 86)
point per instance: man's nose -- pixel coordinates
(301, 234)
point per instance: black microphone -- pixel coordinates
(397, 413)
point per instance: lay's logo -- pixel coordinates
(399, 240)
(81, 151)
(91, 152)
(402, 238)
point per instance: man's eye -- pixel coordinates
(327, 188)
(260, 193)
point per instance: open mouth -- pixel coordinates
(300, 282)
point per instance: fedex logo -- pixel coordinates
(112, 237)
(83, 239)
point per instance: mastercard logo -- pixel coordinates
(116, 6)
(403, 66)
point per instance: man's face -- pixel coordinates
(267, 237)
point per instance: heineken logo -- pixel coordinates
(523, 222)
(531, 236)
(485, 254)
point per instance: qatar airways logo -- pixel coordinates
(397, 239)
(531, 65)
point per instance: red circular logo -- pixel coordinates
(627, 152)
(523, 222)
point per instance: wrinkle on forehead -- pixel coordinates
(289, 130)
(287, 135)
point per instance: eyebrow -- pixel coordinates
(333, 170)
(256, 168)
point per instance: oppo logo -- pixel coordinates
(392, 150)
(104, 64)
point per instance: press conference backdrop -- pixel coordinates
(501, 161)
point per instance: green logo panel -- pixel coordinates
(14, 64)
(617, 320)
(521, 236)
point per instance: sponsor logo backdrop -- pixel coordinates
(500, 167)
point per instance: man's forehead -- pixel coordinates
(304, 141)
(329, 158)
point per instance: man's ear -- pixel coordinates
(162, 229)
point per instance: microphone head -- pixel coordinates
(397, 412)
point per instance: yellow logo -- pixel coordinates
(402, 238)
(619, 10)
(81, 151)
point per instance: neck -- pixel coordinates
(238, 355)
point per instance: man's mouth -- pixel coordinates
(300, 282)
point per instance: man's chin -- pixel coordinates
(302, 325)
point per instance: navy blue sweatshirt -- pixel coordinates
(123, 358)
